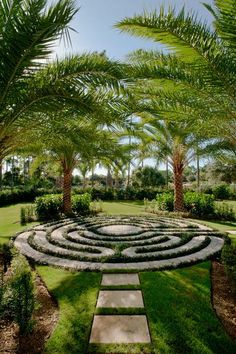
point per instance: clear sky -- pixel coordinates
(95, 20)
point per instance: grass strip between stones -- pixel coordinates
(120, 310)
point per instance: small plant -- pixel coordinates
(222, 191)
(81, 203)
(225, 212)
(22, 216)
(165, 201)
(18, 297)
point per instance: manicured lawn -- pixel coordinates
(180, 314)
(10, 222)
(76, 294)
(123, 207)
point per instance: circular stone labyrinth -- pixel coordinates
(121, 243)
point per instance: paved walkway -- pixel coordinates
(118, 328)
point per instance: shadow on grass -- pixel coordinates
(181, 318)
(76, 294)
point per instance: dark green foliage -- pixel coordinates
(165, 201)
(198, 204)
(18, 297)
(49, 206)
(13, 196)
(22, 216)
(81, 203)
(221, 191)
(148, 177)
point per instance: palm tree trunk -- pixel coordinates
(67, 182)
(178, 188)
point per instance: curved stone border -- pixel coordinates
(71, 244)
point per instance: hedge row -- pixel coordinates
(198, 205)
(13, 196)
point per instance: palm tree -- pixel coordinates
(28, 83)
(175, 143)
(202, 64)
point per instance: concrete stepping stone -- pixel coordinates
(120, 329)
(120, 279)
(120, 298)
(232, 232)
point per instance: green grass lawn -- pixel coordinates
(180, 314)
(123, 207)
(178, 302)
(76, 294)
(10, 222)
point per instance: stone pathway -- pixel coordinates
(118, 328)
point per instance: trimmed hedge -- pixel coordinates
(13, 196)
(129, 193)
(198, 204)
(49, 207)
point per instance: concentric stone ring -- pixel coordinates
(120, 243)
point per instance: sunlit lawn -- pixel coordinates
(10, 222)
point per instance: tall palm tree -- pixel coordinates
(29, 30)
(202, 63)
(175, 143)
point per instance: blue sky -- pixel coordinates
(95, 20)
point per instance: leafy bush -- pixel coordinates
(199, 204)
(49, 206)
(222, 191)
(165, 201)
(81, 203)
(225, 212)
(18, 300)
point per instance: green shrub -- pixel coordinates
(222, 191)
(21, 195)
(48, 207)
(22, 216)
(199, 204)
(225, 212)
(165, 201)
(19, 298)
(229, 261)
(81, 203)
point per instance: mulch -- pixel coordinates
(45, 318)
(224, 298)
